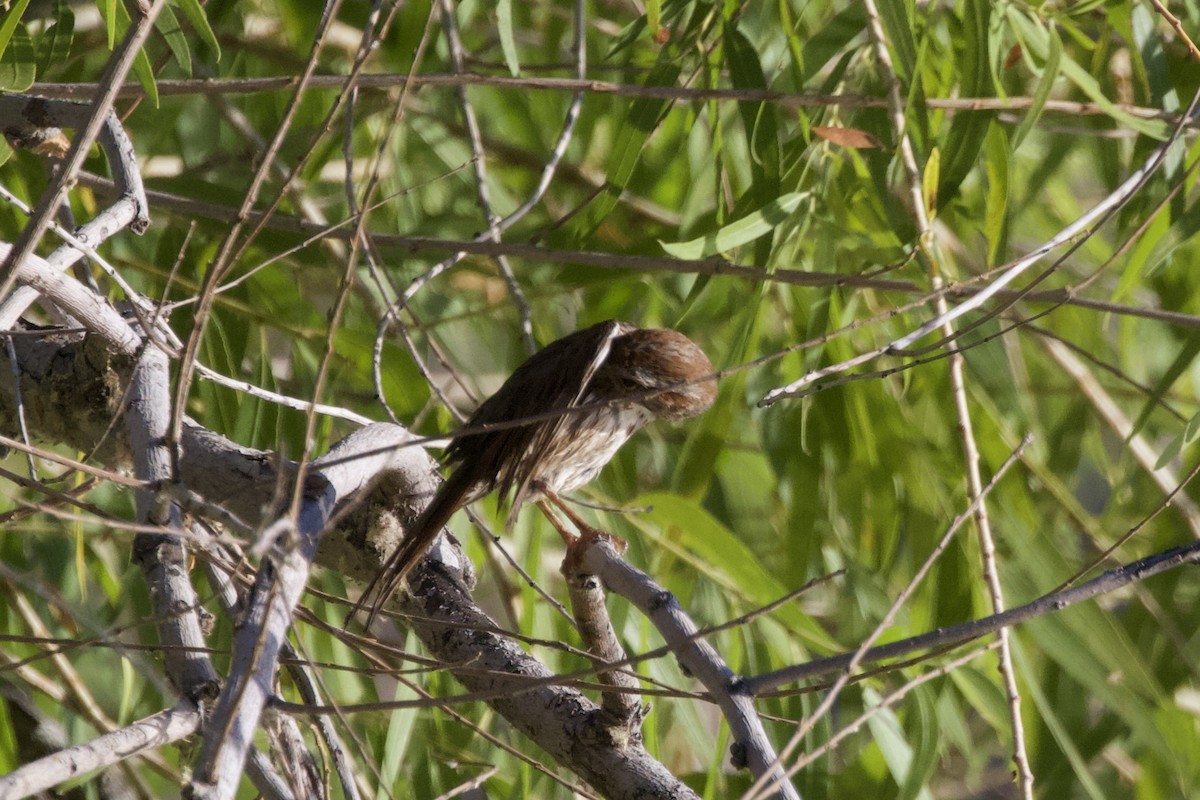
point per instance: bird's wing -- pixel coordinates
(563, 371)
(570, 393)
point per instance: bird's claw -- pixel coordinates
(588, 536)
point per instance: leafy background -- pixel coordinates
(747, 503)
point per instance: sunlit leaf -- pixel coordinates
(735, 234)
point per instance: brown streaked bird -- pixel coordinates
(607, 382)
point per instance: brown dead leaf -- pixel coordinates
(847, 137)
(1014, 55)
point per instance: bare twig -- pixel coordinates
(1070, 236)
(114, 74)
(715, 266)
(953, 635)
(681, 93)
(890, 700)
(1166, 14)
(928, 247)
(1147, 458)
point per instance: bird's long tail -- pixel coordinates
(418, 538)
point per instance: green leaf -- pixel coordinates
(795, 43)
(9, 23)
(995, 223)
(924, 735)
(401, 724)
(643, 116)
(199, 21)
(508, 45)
(1187, 354)
(108, 10)
(759, 119)
(930, 181)
(962, 143)
(117, 21)
(168, 25)
(735, 234)
(145, 74)
(55, 44)
(1044, 86)
(17, 66)
(833, 37)
(1037, 39)
(1190, 431)
(654, 16)
(1063, 736)
(1182, 229)
(897, 19)
(897, 753)
(713, 548)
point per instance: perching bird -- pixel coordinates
(583, 396)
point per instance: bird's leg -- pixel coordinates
(568, 537)
(586, 532)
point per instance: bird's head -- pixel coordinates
(664, 363)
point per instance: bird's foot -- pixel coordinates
(589, 536)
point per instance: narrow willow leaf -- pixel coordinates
(9, 22)
(168, 25)
(833, 37)
(1187, 354)
(17, 66)
(795, 45)
(735, 234)
(759, 119)
(1062, 734)
(199, 21)
(898, 26)
(1191, 432)
(1036, 39)
(929, 182)
(108, 9)
(117, 20)
(643, 116)
(508, 45)
(847, 137)
(145, 73)
(654, 16)
(925, 738)
(964, 140)
(401, 724)
(1045, 84)
(55, 44)
(1182, 229)
(995, 223)
(889, 736)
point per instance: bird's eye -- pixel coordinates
(630, 385)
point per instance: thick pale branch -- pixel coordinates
(751, 748)
(162, 728)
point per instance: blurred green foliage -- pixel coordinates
(747, 503)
